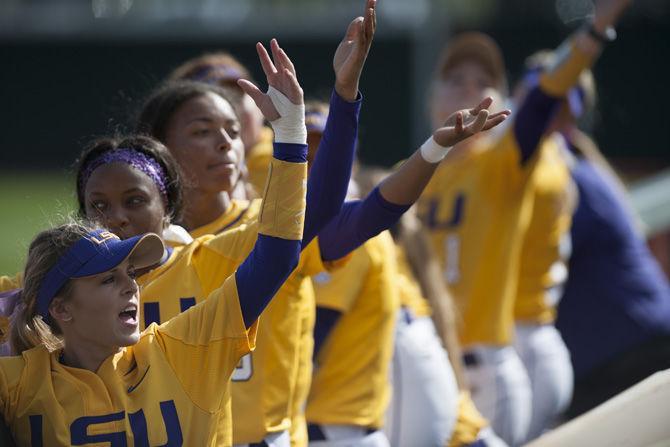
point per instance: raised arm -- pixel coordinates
(282, 214)
(329, 176)
(577, 53)
(360, 220)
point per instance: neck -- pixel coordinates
(86, 356)
(203, 208)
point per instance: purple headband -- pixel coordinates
(131, 157)
(315, 121)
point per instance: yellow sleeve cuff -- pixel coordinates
(564, 73)
(282, 212)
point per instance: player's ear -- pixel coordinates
(60, 311)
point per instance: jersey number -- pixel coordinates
(138, 424)
(244, 369)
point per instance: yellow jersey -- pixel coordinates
(258, 159)
(472, 208)
(8, 283)
(350, 384)
(264, 383)
(168, 389)
(411, 296)
(546, 243)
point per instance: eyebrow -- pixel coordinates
(210, 120)
(127, 191)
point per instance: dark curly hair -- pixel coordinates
(145, 145)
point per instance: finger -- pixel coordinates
(485, 104)
(286, 61)
(505, 112)
(250, 89)
(370, 19)
(479, 122)
(268, 67)
(352, 30)
(459, 123)
(276, 57)
(493, 122)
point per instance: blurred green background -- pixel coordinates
(30, 202)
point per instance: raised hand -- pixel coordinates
(280, 74)
(466, 123)
(353, 50)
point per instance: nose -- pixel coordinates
(117, 221)
(224, 142)
(131, 285)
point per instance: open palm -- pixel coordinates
(468, 122)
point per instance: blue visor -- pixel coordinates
(97, 252)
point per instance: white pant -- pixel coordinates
(501, 390)
(280, 439)
(547, 362)
(350, 436)
(424, 405)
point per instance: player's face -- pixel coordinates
(124, 200)
(204, 136)
(104, 310)
(463, 87)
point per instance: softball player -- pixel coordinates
(79, 327)
(543, 265)
(487, 185)
(265, 383)
(614, 315)
(349, 310)
(223, 69)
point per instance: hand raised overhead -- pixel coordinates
(468, 122)
(280, 74)
(352, 52)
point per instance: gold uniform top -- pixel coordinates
(265, 384)
(409, 290)
(546, 243)
(477, 211)
(168, 389)
(350, 384)
(258, 159)
(473, 209)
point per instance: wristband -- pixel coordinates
(290, 126)
(433, 152)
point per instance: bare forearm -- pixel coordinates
(406, 184)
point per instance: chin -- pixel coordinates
(129, 340)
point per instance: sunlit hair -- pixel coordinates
(28, 329)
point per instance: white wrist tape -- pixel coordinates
(433, 152)
(290, 126)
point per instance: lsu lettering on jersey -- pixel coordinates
(473, 209)
(168, 389)
(264, 383)
(258, 159)
(546, 243)
(350, 384)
